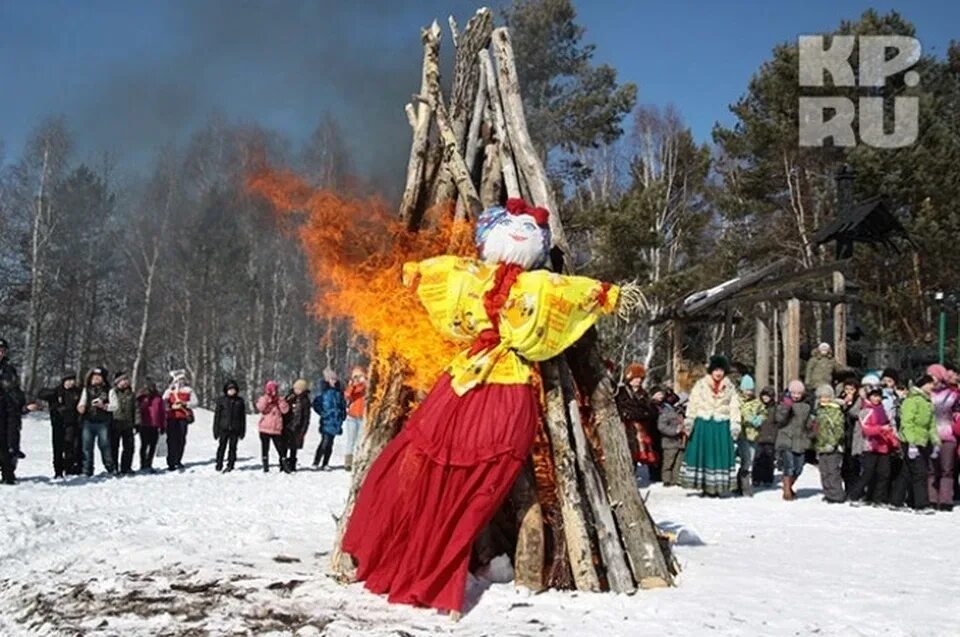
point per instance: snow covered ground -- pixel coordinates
(197, 553)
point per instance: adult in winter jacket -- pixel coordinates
(943, 459)
(355, 395)
(229, 424)
(153, 422)
(820, 367)
(640, 420)
(829, 430)
(672, 435)
(123, 406)
(94, 410)
(272, 406)
(330, 404)
(918, 432)
(16, 403)
(795, 435)
(296, 422)
(180, 401)
(880, 440)
(712, 424)
(765, 460)
(65, 425)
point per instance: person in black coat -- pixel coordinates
(14, 404)
(296, 421)
(65, 425)
(229, 424)
(764, 462)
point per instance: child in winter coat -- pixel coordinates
(272, 407)
(751, 417)
(153, 422)
(829, 427)
(330, 404)
(296, 421)
(794, 416)
(180, 400)
(918, 431)
(943, 459)
(880, 440)
(356, 407)
(229, 424)
(766, 458)
(673, 436)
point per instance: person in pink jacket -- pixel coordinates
(153, 422)
(880, 440)
(272, 406)
(943, 461)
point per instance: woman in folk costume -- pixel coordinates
(712, 424)
(437, 484)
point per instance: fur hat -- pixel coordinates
(718, 362)
(825, 391)
(635, 370)
(68, 374)
(747, 384)
(796, 387)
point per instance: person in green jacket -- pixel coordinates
(829, 420)
(918, 431)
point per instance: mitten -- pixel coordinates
(913, 452)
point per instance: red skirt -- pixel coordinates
(433, 489)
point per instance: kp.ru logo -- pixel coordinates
(874, 70)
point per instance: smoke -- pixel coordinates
(277, 64)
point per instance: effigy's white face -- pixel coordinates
(516, 239)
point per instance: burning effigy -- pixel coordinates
(517, 448)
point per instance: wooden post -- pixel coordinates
(676, 351)
(839, 322)
(777, 385)
(728, 332)
(762, 362)
(791, 342)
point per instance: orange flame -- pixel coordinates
(355, 252)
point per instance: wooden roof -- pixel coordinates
(870, 221)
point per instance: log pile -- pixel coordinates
(575, 518)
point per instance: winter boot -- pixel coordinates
(788, 488)
(219, 467)
(292, 464)
(746, 486)
(266, 464)
(348, 462)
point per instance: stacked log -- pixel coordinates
(577, 519)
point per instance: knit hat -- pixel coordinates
(890, 373)
(823, 347)
(68, 374)
(635, 370)
(300, 385)
(121, 375)
(870, 380)
(271, 387)
(718, 362)
(939, 372)
(747, 384)
(768, 391)
(825, 391)
(230, 384)
(796, 387)
(178, 374)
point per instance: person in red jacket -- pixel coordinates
(153, 422)
(880, 440)
(180, 400)
(355, 395)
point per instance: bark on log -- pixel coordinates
(529, 558)
(492, 181)
(451, 158)
(608, 537)
(383, 421)
(577, 535)
(418, 148)
(637, 529)
(473, 139)
(516, 123)
(510, 179)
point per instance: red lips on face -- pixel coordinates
(518, 237)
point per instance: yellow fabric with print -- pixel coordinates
(544, 314)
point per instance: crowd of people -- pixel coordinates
(876, 439)
(107, 414)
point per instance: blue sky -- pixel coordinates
(133, 75)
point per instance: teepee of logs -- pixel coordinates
(575, 518)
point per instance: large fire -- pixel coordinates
(355, 251)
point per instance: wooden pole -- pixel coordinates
(839, 321)
(791, 342)
(777, 386)
(762, 362)
(728, 332)
(676, 352)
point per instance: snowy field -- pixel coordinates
(198, 553)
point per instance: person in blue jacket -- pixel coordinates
(331, 406)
